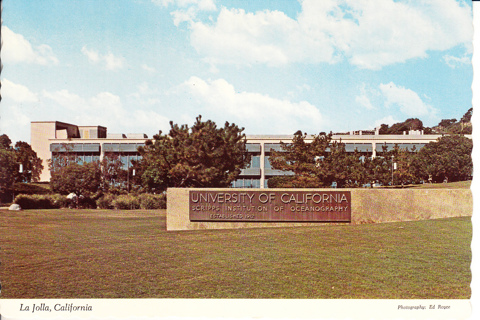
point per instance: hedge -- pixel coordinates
(108, 201)
(41, 201)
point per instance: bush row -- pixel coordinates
(108, 201)
(132, 201)
(41, 201)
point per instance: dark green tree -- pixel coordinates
(5, 142)
(11, 160)
(409, 124)
(61, 157)
(450, 157)
(114, 176)
(8, 167)
(467, 117)
(81, 179)
(31, 164)
(318, 163)
(447, 122)
(395, 166)
(200, 156)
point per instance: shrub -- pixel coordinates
(152, 201)
(87, 203)
(126, 202)
(106, 202)
(41, 201)
(25, 201)
(58, 201)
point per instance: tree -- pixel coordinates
(383, 129)
(5, 142)
(81, 179)
(407, 125)
(447, 122)
(10, 161)
(200, 156)
(114, 177)
(61, 157)
(450, 157)
(8, 166)
(318, 164)
(467, 117)
(32, 165)
(395, 166)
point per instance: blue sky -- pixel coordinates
(273, 67)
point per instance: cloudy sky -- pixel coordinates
(273, 67)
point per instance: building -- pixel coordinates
(91, 143)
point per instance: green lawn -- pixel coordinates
(122, 254)
(450, 185)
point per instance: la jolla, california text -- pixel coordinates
(65, 307)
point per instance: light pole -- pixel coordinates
(392, 170)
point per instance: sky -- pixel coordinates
(272, 67)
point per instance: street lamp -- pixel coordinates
(128, 178)
(392, 170)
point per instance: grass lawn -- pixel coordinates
(129, 254)
(451, 185)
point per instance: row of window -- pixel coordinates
(349, 147)
(248, 183)
(88, 157)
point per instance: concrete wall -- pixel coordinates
(368, 206)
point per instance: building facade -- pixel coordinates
(91, 143)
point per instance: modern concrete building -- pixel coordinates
(91, 143)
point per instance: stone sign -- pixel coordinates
(275, 206)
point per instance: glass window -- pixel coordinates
(267, 163)
(255, 162)
(124, 160)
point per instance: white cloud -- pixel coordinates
(188, 8)
(145, 96)
(148, 68)
(113, 62)
(13, 122)
(389, 120)
(204, 5)
(220, 97)
(65, 99)
(269, 37)
(16, 110)
(92, 55)
(370, 34)
(454, 62)
(406, 100)
(106, 109)
(17, 49)
(180, 16)
(151, 119)
(110, 61)
(363, 99)
(17, 92)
